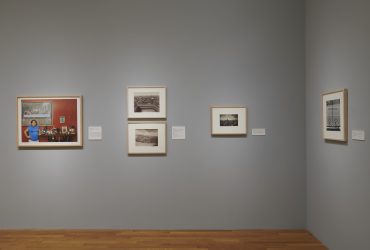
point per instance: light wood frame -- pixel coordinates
(131, 138)
(160, 115)
(342, 135)
(79, 128)
(240, 130)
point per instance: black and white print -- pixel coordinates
(148, 102)
(333, 115)
(228, 120)
(146, 137)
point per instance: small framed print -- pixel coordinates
(147, 138)
(62, 119)
(39, 122)
(335, 115)
(229, 120)
(146, 102)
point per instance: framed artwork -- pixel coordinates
(335, 115)
(49, 121)
(62, 119)
(146, 102)
(229, 120)
(147, 138)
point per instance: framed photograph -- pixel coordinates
(49, 121)
(146, 102)
(147, 138)
(229, 120)
(335, 115)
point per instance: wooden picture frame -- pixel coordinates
(335, 115)
(229, 120)
(39, 124)
(147, 138)
(146, 102)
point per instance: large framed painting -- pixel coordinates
(49, 121)
(335, 115)
(147, 138)
(229, 121)
(146, 102)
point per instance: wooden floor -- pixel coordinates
(155, 240)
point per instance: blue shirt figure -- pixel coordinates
(32, 131)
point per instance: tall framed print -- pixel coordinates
(335, 115)
(147, 138)
(54, 121)
(146, 102)
(228, 120)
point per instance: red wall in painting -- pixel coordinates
(66, 108)
(60, 107)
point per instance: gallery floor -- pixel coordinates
(155, 240)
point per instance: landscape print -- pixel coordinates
(146, 102)
(228, 120)
(146, 137)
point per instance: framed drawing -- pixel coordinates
(49, 121)
(147, 138)
(229, 120)
(335, 115)
(146, 102)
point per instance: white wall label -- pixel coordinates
(178, 133)
(95, 133)
(258, 131)
(358, 135)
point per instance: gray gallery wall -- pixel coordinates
(338, 56)
(207, 52)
